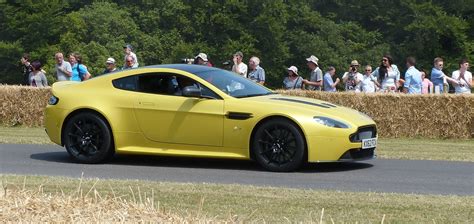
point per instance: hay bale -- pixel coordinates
(23, 105)
(396, 115)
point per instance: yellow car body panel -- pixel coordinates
(153, 124)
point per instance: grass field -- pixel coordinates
(415, 149)
(230, 203)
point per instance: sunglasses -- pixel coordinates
(440, 65)
(129, 61)
(384, 60)
(368, 70)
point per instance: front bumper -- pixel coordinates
(342, 148)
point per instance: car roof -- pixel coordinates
(193, 69)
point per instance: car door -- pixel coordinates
(164, 115)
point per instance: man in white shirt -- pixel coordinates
(462, 78)
(63, 68)
(239, 67)
(369, 82)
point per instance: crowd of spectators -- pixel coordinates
(386, 77)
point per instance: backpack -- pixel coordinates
(79, 72)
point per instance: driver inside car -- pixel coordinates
(181, 83)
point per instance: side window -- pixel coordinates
(161, 83)
(126, 83)
(157, 83)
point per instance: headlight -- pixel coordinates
(331, 122)
(53, 100)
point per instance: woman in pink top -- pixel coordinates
(426, 85)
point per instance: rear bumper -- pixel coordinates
(53, 123)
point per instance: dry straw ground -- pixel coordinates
(397, 115)
(20, 205)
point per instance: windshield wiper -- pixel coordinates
(256, 94)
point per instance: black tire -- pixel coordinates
(278, 145)
(88, 139)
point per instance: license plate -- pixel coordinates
(369, 143)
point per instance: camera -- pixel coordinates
(353, 68)
(187, 60)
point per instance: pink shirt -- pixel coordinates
(424, 86)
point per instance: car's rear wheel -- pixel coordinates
(87, 138)
(278, 145)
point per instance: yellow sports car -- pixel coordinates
(200, 111)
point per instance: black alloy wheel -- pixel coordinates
(278, 145)
(88, 139)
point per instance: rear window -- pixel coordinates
(126, 83)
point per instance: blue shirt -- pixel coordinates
(413, 80)
(328, 83)
(257, 75)
(76, 70)
(436, 75)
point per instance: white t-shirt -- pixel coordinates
(242, 68)
(462, 87)
(389, 80)
(367, 84)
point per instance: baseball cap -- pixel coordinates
(239, 53)
(128, 46)
(313, 59)
(110, 61)
(294, 69)
(202, 56)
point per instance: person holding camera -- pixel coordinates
(387, 74)
(201, 59)
(239, 67)
(26, 65)
(462, 78)
(316, 77)
(63, 68)
(352, 78)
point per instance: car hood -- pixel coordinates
(312, 107)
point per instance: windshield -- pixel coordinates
(233, 84)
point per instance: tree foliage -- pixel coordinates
(280, 32)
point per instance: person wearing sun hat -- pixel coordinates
(316, 77)
(293, 80)
(352, 77)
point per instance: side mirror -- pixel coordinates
(192, 91)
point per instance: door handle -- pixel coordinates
(147, 103)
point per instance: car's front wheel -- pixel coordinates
(278, 145)
(87, 138)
